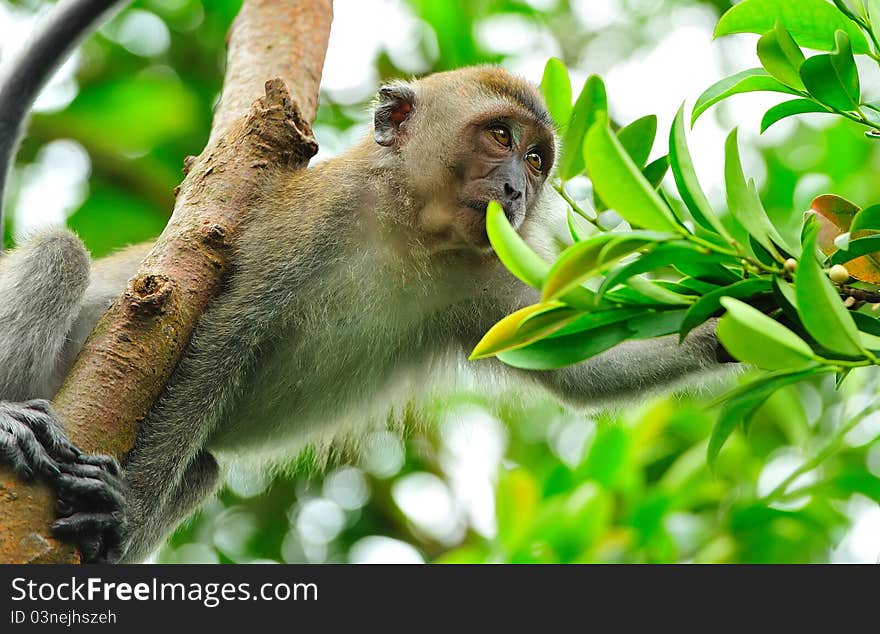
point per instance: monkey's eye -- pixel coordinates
(501, 134)
(534, 160)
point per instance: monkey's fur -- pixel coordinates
(353, 283)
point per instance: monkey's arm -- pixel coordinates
(636, 368)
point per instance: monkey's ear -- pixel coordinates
(393, 108)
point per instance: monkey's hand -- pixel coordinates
(88, 488)
(90, 506)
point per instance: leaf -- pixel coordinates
(511, 249)
(745, 204)
(742, 402)
(819, 306)
(866, 323)
(835, 216)
(576, 232)
(620, 183)
(833, 79)
(658, 294)
(656, 324)
(556, 88)
(752, 337)
(519, 258)
(637, 139)
(661, 256)
(811, 22)
(589, 321)
(857, 248)
(710, 303)
(781, 56)
(790, 109)
(838, 210)
(586, 259)
(590, 103)
(557, 352)
(503, 334)
(752, 80)
(686, 179)
(656, 170)
(868, 219)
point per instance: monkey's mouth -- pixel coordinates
(476, 205)
(480, 206)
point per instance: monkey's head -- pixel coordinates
(456, 140)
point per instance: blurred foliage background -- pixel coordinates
(479, 479)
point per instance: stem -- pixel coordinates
(560, 189)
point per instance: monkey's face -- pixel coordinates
(462, 139)
(507, 158)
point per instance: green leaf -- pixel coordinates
(556, 88)
(661, 256)
(589, 321)
(512, 331)
(781, 56)
(741, 403)
(523, 327)
(656, 324)
(790, 109)
(710, 303)
(521, 260)
(819, 306)
(658, 294)
(559, 352)
(866, 323)
(752, 80)
(656, 170)
(590, 103)
(686, 179)
(745, 204)
(637, 139)
(811, 22)
(857, 248)
(577, 234)
(620, 183)
(833, 79)
(752, 337)
(511, 249)
(586, 259)
(868, 219)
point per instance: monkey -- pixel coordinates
(354, 283)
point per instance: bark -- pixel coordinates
(135, 346)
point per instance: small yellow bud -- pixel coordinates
(849, 302)
(838, 274)
(875, 308)
(790, 265)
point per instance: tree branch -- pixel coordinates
(135, 346)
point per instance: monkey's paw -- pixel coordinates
(91, 507)
(33, 441)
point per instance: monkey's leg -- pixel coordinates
(41, 287)
(200, 480)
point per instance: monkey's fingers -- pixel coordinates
(88, 488)
(102, 461)
(96, 535)
(20, 446)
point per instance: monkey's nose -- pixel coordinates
(511, 192)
